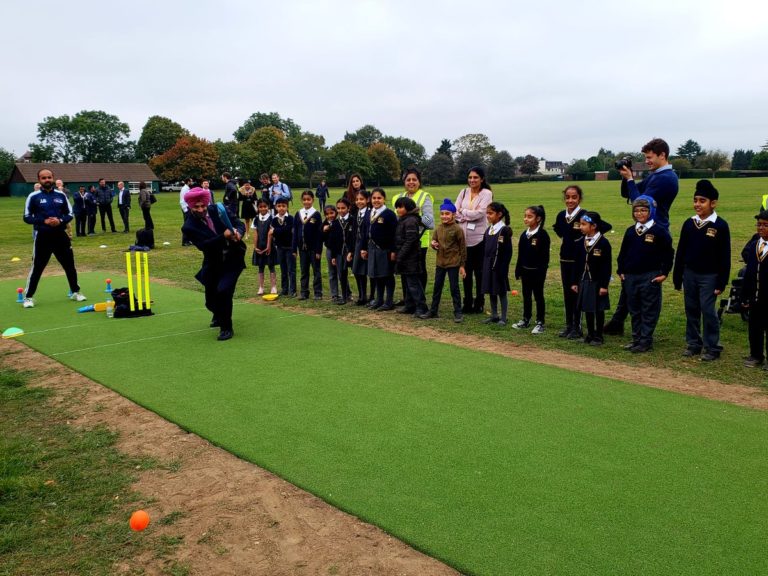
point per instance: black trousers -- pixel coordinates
(148, 224)
(307, 260)
(568, 278)
(125, 212)
(437, 289)
(622, 309)
(92, 223)
(533, 287)
(106, 209)
(473, 281)
(422, 276)
(758, 330)
(80, 222)
(218, 298)
(58, 244)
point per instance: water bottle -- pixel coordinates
(110, 309)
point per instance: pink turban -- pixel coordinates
(196, 195)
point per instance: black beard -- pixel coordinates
(48, 186)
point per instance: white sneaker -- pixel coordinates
(77, 297)
(260, 292)
(538, 329)
(28, 303)
(520, 325)
(274, 290)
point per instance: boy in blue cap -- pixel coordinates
(451, 249)
(644, 262)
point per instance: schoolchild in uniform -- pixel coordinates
(381, 251)
(451, 246)
(264, 254)
(593, 265)
(755, 293)
(408, 262)
(702, 269)
(308, 244)
(531, 268)
(645, 260)
(362, 223)
(346, 250)
(497, 256)
(282, 243)
(567, 226)
(330, 231)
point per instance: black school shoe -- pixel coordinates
(565, 331)
(709, 356)
(385, 308)
(225, 335)
(640, 349)
(691, 352)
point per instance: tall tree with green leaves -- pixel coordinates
(269, 150)
(445, 148)
(311, 149)
(190, 157)
(158, 136)
(439, 169)
(502, 167)
(259, 120)
(88, 136)
(478, 143)
(409, 152)
(466, 161)
(713, 160)
(690, 150)
(365, 136)
(7, 164)
(386, 166)
(741, 159)
(529, 165)
(759, 161)
(344, 158)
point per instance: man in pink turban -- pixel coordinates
(223, 256)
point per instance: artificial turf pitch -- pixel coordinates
(492, 465)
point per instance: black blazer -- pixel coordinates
(220, 255)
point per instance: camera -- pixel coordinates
(624, 162)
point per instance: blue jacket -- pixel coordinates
(104, 195)
(661, 185)
(42, 205)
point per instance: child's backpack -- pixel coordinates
(122, 300)
(145, 237)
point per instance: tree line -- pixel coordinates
(266, 142)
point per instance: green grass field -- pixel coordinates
(740, 199)
(522, 469)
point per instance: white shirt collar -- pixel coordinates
(711, 218)
(496, 227)
(264, 217)
(307, 213)
(647, 226)
(529, 232)
(595, 238)
(569, 215)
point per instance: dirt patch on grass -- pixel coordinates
(233, 517)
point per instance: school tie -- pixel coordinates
(763, 248)
(640, 229)
(210, 223)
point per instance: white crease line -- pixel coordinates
(130, 341)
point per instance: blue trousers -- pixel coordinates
(700, 310)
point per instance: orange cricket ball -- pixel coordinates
(514, 292)
(139, 520)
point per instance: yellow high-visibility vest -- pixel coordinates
(420, 197)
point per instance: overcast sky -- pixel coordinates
(554, 78)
